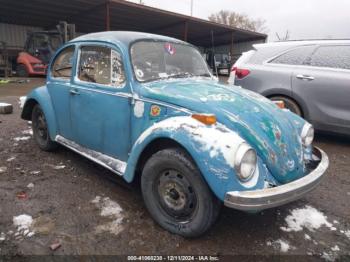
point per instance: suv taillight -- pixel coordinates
(240, 73)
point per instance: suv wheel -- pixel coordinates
(289, 104)
(176, 195)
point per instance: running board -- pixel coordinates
(112, 164)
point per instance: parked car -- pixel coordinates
(311, 77)
(147, 105)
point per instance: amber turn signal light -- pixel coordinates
(205, 119)
(279, 103)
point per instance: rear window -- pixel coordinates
(296, 56)
(331, 56)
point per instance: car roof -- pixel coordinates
(125, 37)
(302, 42)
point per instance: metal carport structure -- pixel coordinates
(100, 15)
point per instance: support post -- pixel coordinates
(231, 48)
(107, 18)
(185, 30)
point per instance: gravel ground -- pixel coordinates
(88, 210)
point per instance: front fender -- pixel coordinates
(212, 148)
(42, 97)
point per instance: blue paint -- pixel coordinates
(105, 119)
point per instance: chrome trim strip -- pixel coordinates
(120, 94)
(280, 195)
(115, 165)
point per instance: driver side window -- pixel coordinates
(63, 64)
(101, 65)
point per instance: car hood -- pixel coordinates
(268, 129)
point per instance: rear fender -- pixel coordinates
(42, 97)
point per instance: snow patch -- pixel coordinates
(217, 139)
(335, 248)
(23, 223)
(30, 185)
(282, 245)
(27, 132)
(5, 104)
(2, 236)
(3, 169)
(347, 233)
(22, 138)
(11, 159)
(139, 109)
(35, 172)
(307, 217)
(307, 237)
(58, 167)
(111, 209)
(328, 257)
(22, 101)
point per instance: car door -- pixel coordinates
(324, 83)
(59, 84)
(100, 101)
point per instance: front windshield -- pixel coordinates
(159, 60)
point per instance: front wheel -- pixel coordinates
(41, 131)
(176, 195)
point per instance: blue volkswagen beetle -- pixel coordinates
(147, 105)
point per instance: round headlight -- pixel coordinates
(245, 162)
(307, 134)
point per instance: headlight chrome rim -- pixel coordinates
(241, 153)
(307, 134)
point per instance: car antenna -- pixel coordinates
(213, 52)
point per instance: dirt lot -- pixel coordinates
(90, 211)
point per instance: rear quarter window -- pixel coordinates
(296, 56)
(332, 57)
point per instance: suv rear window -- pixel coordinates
(295, 56)
(332, 56)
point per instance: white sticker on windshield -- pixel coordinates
(139, 73)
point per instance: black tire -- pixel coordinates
(40, 130)
(176, 195)
(21, 70)
(289, 104)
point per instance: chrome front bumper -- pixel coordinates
(280, 195)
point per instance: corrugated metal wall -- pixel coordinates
(15, 35)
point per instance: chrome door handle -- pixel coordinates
(74, 92)
(305, 77)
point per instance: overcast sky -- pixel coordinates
(305, 19)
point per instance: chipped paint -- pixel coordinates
(139, 108)
(272, 132)
(216, 139)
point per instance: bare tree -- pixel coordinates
(239, 20)
(283, 37)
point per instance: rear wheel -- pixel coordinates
(176, 195)
(41, 131)
(21, 71)
(289, 104)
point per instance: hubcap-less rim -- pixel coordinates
(41, 126)
(176, 195)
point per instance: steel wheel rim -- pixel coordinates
(176, 195)
(40, 125)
